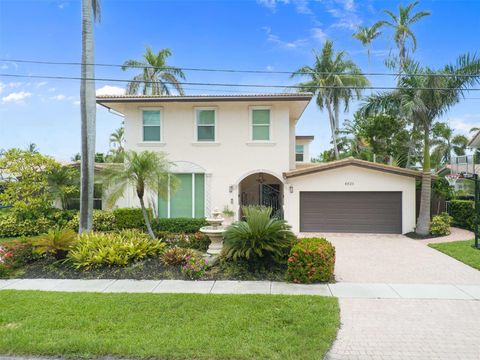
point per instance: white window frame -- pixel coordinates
(151, 108)
(196, 111)
(303, 153)
(270, 128)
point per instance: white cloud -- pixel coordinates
(14, 84)
(272, 4)
(58, 97)
(281, 43)
(17, 97)
(51, 89)
(319, 35)
(110, 90)
(76, 102)
(4, 67)
(463, 124)
(301, 6)
(2, 86)
(269, 68)
(345, 11)
(41, 83)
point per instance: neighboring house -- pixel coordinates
(229, 151)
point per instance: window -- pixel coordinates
(151, 125)
(205, 124)
(188, 199)
(299, 151)
(261, 124)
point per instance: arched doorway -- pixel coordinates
(262, 189)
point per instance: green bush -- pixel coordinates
(258, 238)
(130, 218)
(178, 256)
(440, 225)
(98, 249)
(56, 242)
(197, 241)
(11, 226)
(60, 217)
(14, 254)
(311, 260)
(178, 225)
(102, 221)
(462, 213)
(195, 267)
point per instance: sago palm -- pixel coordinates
(146, 170)
(401, 24)
(425, 99)
(156, 77)
(366, 35)
(334, 81)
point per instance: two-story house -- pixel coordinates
(234, 150)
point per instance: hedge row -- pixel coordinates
(462, 213)
(119, 219)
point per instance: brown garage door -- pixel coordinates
(355, 212)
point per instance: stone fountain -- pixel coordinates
(214, 231)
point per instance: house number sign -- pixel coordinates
(349, 183)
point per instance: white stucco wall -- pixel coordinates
(350, 178)
(225, 162)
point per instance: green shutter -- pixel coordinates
(206, 117)
(199, 195)
(261, 117)
(181, 199)
(261, 132)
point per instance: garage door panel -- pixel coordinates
(364, 212)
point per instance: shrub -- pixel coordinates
(102, 221)
(14, 254)
(56, 242)
(440, 225)
(462, 213)
(311, 260)
(194, 268)
(60, 217)
(113, 249)
(178, 225)
(130, 218)
(259, 237)
(11, 226)
(197, 241)
(177, 256)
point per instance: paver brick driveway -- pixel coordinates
(379, 258)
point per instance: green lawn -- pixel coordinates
(463, 251)
(167, 326)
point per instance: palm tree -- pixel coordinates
(146, 170)
(117, 139)
(63, 183)
(157, 77)
(333, 80)
(425, 99)
(401, 24)
(366, 35)
(445, 143)
(90, 13)
(32, 148)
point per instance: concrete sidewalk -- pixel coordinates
(340, 290)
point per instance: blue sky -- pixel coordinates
(265, 35)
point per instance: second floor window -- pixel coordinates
(299, 151)
(260, 124)
(205, 125)
(151, 125)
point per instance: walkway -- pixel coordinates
(340, 290)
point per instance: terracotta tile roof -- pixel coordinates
(354, 162)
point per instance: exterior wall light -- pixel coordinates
(291, 189)
(230, 189)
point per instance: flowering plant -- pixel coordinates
(5, 264)
(194, 267)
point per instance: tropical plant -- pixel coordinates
(445, 143)
(425, 99)
(440, 225)
(178, 256)
(146, 170)
(195, 267)
(113, 249)
(88, 106)
(25, 182)
(117, 144)
(258, 237)
(56, 242)
(157, 77)
(366, 35)
(333, 80)
(63, 183)
(401, 24)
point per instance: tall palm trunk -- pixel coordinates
(333, 128)
(88, 114)
(423, 222)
